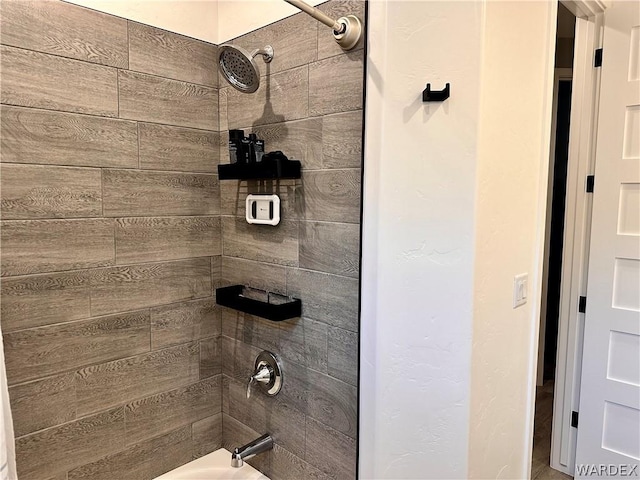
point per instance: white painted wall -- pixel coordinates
(513, 159)
(454, 208)
(418, 239)
(194, 18)
(238, 17)
(215, 21)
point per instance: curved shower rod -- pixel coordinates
(346, 30)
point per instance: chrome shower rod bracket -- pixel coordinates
(346, 30)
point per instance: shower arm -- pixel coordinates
(346, 30)
(318, 15)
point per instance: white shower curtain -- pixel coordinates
(7, 441)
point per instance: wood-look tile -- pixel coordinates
(169, 55)
(43, 403)
(233, 195)
(232, 327)
(258, 332)
(42, 351)
(235, 434)
(148, 239)
(261, 276)
(300, 340)
(160, 100)
(144, 193)
(342, 140)
(287, 466)
(102, 386)
(216, 273)
(281, 97)
(165, 147)
(36, 246)
(37, 300)
(210, 357)
(327, 46)
(139, 286)
(61, 476)
(330, 450)
(169, 410)
(330, 247)
(331, 93)
(184, 322)
(331, 196)
(238, 358)
(327, 298)
(324, 398)
(304, 341)
(225, 393)
(300, 140)
(293, 40)
(30, 191)
(285, 424)
(57, 138)
(207, 435)
(142, 461)
(223, 121)
(33, 79)
(59, 449)
(262, 243)
(67, 30)
(342, 355)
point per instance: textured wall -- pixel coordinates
(110, 227)
(513, 163)
(309, 105)
(418, 246)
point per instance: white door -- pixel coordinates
(609, 421)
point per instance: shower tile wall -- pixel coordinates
(309, 105)
(110, 233)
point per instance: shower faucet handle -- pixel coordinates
(262, 375)
(267, 374)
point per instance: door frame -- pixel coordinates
(583, 127)
(560, 74)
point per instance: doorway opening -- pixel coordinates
(554, 242)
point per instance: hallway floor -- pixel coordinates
(540, 469)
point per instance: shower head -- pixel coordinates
(239, 68)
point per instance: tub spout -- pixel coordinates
(251, 449)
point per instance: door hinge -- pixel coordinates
(591, 181)
(574, 419)
(582, 305)
(597, 58)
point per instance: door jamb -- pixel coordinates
(584, 106)
(559, 75)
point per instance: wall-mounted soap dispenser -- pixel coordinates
(263, 209)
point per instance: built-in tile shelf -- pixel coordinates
(232, 297)
(266, 169)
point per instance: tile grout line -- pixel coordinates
(107, 315)
(182, 126)
(102, 267)
(115, 67)
(125, 169)
(105, 117)
(138, 142)
(118, 91)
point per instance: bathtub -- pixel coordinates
(214, 466)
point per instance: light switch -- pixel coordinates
(520, 286)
